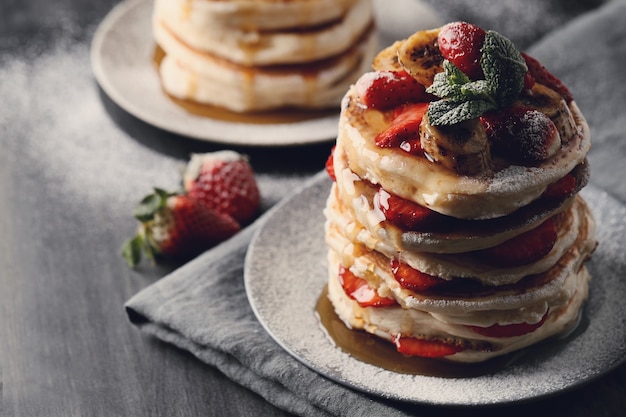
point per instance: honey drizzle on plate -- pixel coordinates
(375, 351)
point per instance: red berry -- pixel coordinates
(541, 75)
(188, 228)
(223, 181)
(404, 213)
(520, 134)
(330, 169)
(460, 43)
(509, 330)
(425, 348)
(403, 132)
(522, 249)
(359, 290)
(384, 90)
(176, 226)
(412, 279)
(562, 188)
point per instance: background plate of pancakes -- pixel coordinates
(124, 64)
(285, 277)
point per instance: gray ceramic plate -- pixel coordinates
(285, 274)
(122, 62)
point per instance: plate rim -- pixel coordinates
(307, 132)
(321, 180)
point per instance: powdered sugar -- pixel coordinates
(55, 121)
(68, 133)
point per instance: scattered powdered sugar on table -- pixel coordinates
(55, 119)
(53, 110)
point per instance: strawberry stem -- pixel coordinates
(151, 204)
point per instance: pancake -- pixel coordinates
(448, 234)
(489, 195)
(206, 78)
(392, 322)
(294, 44)
(575, 236)
(257, 15)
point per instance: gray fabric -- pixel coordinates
(202, 307)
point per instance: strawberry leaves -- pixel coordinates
(145, 212)
(463, 98)
(151, 204)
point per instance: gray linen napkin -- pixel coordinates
(588, 54)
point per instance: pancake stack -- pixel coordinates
(258, 55)
(458, 237)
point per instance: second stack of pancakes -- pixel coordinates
(258, 55)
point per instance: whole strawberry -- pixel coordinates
(223, 181)
(175, 226)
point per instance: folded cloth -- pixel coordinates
(589, 54)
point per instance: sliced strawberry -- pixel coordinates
(523, 249)
(176, 226)
(425, 348)
(509, 330)
(330, 170)
(359, 290)
(562, 188)
(541, 75)
(223, 181)
(403, 132)
(411, 278)
(404, 213)
(384, 90)
(460, 43)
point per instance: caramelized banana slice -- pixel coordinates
(554, 106)
(462, 147)
(387, 59)
(420, 56)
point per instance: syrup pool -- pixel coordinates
(375, 351)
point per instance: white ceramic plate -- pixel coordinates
(122, 62)
(285, 273)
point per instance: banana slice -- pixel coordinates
(387, 59)
(419, 55)
(462, 147)
(551, 103)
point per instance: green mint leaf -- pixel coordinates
(454, 74)
(447, 112)
(448, 84)
(477, 90)
(464, 99)
(504, 68)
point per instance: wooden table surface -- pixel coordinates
(72, 166)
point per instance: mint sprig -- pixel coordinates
(463, 99)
